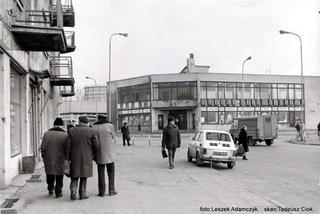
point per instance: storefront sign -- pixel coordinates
(212, 109)
(231, 108)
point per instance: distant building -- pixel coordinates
(34, 75)
(93, 102)
(197, 98)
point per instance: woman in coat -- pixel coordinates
(243, 140)
(53, 152)
(171, 140)
(104, 159)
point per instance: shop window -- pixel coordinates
(230, 116)
(15, 113)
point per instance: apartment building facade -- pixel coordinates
(34, 74)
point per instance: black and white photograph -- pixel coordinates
(160, 107)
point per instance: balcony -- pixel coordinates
(70, 39)
(67, 13)
(67, 91)
(62, 71)
(36, 31)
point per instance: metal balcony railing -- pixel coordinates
(41, 18)
(70, 40)
(66, 5)
(61, 67)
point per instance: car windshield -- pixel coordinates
(215, 136)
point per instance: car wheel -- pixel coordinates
(199, 161)
(230, 165)
(269, 142)
(189, 156)
(251, 141)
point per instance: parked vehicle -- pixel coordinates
(214, 146)
(259, 128)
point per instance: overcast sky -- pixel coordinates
(220, 33)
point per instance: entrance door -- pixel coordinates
(291, 118)
(160, 122)
(181, 118)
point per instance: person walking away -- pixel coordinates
(171, 140)
(106, 136)
(243, 140)
(298, 127)
(125, 134)
(53, 152)
(82, 149)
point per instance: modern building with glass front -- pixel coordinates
(198, 98)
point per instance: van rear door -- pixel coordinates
(267, 128)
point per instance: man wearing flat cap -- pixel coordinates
(104, 160)
(82, 149)
(53, 152)
(171, 140)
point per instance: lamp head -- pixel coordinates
(249, 58)
(124, 34)
(283, 32)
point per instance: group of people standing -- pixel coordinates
(77, 148)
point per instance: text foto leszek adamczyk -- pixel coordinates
(228, 209)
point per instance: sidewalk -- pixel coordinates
(149, 187)
(308, 140)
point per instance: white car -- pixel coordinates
(214, 146)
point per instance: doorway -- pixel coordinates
(181, 119)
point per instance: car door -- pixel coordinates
(199, 141)
(193, 144)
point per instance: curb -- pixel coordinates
(305, 143)
(13, 204)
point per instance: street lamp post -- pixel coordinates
(109, 100)
(95, 85)
(243, 82)
(301, 78)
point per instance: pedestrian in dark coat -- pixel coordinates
(298, 127)
(53, 152)
(243, 140)
(318, 129)
(82, 149)
(106, 136)
(125, 134)
(171, 140)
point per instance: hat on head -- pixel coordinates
(58, 122)
(102, 117)
(83, 119)
(170, 118)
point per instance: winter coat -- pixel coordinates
(106, 135)
(125, 131)
(171, 137)
(82, 148)
(53, 151)
(243, 140)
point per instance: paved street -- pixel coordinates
(284, 174)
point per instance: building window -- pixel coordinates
(175, 91)
(231, 91)
(15, 113)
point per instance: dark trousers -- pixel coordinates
(58, 179)
(101, 177)
(171, 153)
(125, 138)
(82, 186)
(318, 132)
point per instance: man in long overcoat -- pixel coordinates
(125, 134)
(53, 152)
(106, 136)
(82, 149)
(243, 140)
(171, 140)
